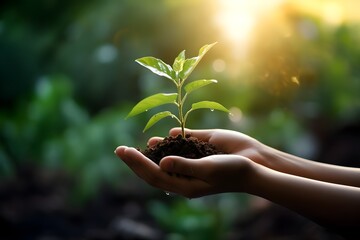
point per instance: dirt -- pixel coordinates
(189, 147)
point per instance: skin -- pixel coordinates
(327, 194)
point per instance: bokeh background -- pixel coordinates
(289, 70)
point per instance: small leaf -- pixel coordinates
(157, 66)
(188, 67)
(157, 117)
(179, 62)
(204, 49)
(192, 86)
(209, 104)
(191, 63)
(152, 101)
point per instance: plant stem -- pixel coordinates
(180, 106)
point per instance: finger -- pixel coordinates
(143, 167)
(190, 187)
(182, 166)
(151, 173)
(187, 187)
(175, 131)
(203, 135)
(154, 140)
(119, 151)
(133, 158)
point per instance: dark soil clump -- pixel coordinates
(189, 147)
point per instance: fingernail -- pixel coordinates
(116, 149)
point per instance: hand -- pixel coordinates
(194, 177)
(233, 142)
(249, 166)
(227, 141)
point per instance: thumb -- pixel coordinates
(180, 165)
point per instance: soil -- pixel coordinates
(189, 147)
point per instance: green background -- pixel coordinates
(68, 79)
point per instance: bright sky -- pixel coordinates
(238, 18)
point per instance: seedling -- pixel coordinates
(178, 73)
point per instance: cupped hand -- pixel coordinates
(193, 177)
(227, 141)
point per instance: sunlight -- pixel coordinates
(237, 26)
(333, 13)
(237, 18)
(247, 26)
(330, 11)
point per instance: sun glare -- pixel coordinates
(242, 22)
(237, 18)
(333, 13)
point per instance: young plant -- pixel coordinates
(178, 74)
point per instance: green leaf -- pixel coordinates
(179, 62)
(191, 63)
(204, 49)
(157, 117)
(152, 101)
(209, 104)
(157, 66)
(192, 86)
(188, 67)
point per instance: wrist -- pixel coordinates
(266, 156)
(253, 178)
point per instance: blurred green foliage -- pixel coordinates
(209, 218)
(68, 78)
(51, 131)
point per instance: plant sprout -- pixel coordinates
(178, 74)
